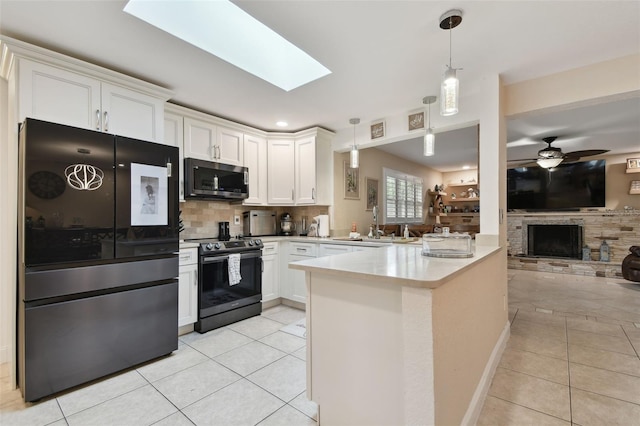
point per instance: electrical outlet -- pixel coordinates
(236, 220)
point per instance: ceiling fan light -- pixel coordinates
(548, 163)
(449, 93)
(429, 143)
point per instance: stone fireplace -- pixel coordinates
(554, 240)
(620, 229)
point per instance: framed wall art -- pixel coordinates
(351, 182)
(416, 121)
(633, 164)
(377, 130)
(371, 186)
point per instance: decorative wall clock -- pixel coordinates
(46, 184)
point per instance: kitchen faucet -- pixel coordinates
(376, 235)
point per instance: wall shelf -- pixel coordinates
(464, 200)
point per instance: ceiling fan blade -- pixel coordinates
(586, 153)
(521, 160)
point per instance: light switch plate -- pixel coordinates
(236, 220)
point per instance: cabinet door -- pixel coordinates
(229, 148)
(52, 94)
(270, 284)
(199, 139)
(281, 171)
(174, 136)
(305, 170)
(331, 249)
(255, 159)
(297, 287)
(187, 294)
(129, 113)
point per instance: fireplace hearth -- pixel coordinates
(554, 240)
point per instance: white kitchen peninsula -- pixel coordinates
(400, 338)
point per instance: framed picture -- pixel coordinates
(149, 204)
(416, 121)
(351, 182)
(377, 130)
(633, 163)
(372, 192)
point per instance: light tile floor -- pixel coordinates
(572, 358)
(248, 373)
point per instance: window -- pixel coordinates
(403, 197)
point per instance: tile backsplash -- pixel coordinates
(200, 217)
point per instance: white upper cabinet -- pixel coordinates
(255, 159)
(230, 144)
(208, 141)
(200, 139)
(69, 97)
(305, 170)
(129, 113)
(281, 171)
(300, 169)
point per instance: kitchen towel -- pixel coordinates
(234, 269)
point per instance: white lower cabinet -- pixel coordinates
(295, 287)
(188, 286)
(331, 249)
(270, 272)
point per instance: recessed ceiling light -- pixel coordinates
(228, 32)
(282, 124)
(465, 167)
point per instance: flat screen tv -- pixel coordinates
(567, 187)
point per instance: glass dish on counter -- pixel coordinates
(454, 245)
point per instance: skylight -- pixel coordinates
(226, 31)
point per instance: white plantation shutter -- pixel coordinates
(403, 197)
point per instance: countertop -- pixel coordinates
(402, 264)
(366, 242)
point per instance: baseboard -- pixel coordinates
(294, 304)
(271, 303)
(477, 401)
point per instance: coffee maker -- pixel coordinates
(286, 224)
(223, 231)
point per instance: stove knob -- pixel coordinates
(217, 246)
(250, 242)
(209, 246)
(258, 242)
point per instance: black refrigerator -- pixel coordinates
(97, 250)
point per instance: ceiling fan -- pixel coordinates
(551, 156)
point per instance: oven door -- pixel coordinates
(216, 295)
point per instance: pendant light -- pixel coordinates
(450, 88)
(429, 137)
(354, 155)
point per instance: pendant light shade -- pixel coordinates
(429, 148)
(450, 87)
(449, 93)
(429, 143)
(354, 154)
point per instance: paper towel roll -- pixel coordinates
(323, 225)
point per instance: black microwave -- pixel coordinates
(206, 179)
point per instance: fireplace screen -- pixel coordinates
(564, 241)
